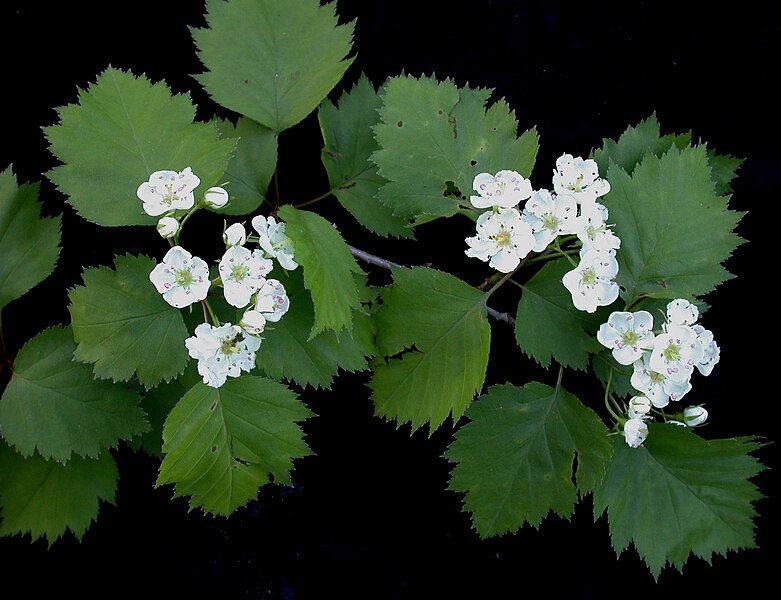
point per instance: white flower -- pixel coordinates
(682, 312)
(222, 352)
(253, 322)
(676, 352)
(591, 282)
(550, 216)
(503, 190)
(635, 432)
(579, 178)
(168, 190)
(659, 388)
(594, 232)
(274, 241)
(216, 197)
(694, 415)
(638, 406)
(627, 334)
(242, 273)
(502, 239)
(710, 350)
(167, 227)
(272, 301)
(181, 278)
(235, 235)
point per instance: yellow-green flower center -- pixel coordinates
(630, 338)
(184, 277)
(229, 347)
(550, 222)
(672, 353)
(503, 239)
(589, 277)
(239, 272)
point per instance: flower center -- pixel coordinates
(503, 239)
(588, 277)
(550, 222)
(239, 272)
(630, 338)
(672, 353)
(575, 187)
(184, 278)
(656, 378)
(229, 346)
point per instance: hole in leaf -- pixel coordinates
(214, 448)
(400, 124)
(451, 191)
(473, 162)
(213, 406)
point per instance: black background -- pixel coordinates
(369, 515)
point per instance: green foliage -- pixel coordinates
(272, 60)
(329, 268)
(29, 244)
(434, 137)
(723, 170)
(439, 324)
(54, 405)
(44, 498)
(252, 166)
(607, 368)
(548, 326)
(123, 129)
(515, 459)
(678, 495)
(222, 444)
(349, 144)
(675, 231)
(124, 327)
(288, 351)
(158, 403)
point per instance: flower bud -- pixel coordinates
(253, 322)
(639, 406)
(167, 227)
(695, 415)
(235, 235)
(216, 197)
(635, 432)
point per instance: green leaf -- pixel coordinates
(124, 327)
(158, 403)
(29, 244)
(548, 326)
(675, 231)
(349, 144)
(283, 58)
(222, 444)
(515, 459)
(635, 143)
(45, 498)
(678, 495)
(607, 368)
(253, 164)
(52, 404)
(724, 169)
(123, 129)
(328, 265)
(435, 137)
(288, 351)
(439, 324)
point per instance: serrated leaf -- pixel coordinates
(439, 323)
(675, 231)
(635, 143)
(547, 325)
(45, 498)
(328, 265)
(222, 444)
(515, 459)
(54, 405)
(288, 351)
(434, 137)
(123, 129)
(158, 403)
(349, 144)
(29, 244)
(606, 368)
(678, 495)
(123, 325)
(252, 166)
(723, 170)
(283, 58)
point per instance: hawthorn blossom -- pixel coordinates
(242, 273)
(710, 350)
(635, 431)
(502, 239)
(167, 227)
(638, 406)
(222, 352)
(272, 301)
(216, 197)
(549, 216)
(591, 282)
(579, 178)
(656, 386)
(594, 232)
(694, 416)
(274, 242)
(676, 352)
(253, 322)
(181, 278)
(168, 190)
(503, 190)
(627, 334)
(682, 312)
(235, 235)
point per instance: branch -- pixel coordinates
(386, 264)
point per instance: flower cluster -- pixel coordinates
(663, 362)
(222, 350)
(506, 235)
